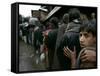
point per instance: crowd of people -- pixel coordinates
(70, 44)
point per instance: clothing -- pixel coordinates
(51, 42)
(93, 21)
(60, 33)
(70, 39)
(38, 39)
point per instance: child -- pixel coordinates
(87, 56)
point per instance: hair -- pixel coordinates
(74, 13)
(66, 18)
(54, 21)
(89, 27)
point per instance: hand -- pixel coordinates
(69, 53)
(72, 55)
(88, 56)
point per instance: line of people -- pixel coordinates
(69, 45)
(67, 39)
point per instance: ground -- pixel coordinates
(28, 59)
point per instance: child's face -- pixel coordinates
(87, 39)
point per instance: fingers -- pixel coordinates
(83, 53)
(69, 49)
(84, 56)
(74, 52)
(74, 48)
(88, 56)
(84, 59)
(67, 53)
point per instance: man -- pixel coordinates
(61, 31)
(70, 38)
(51, 40)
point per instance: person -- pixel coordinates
(51, 41)
(70, 38)
(87, 55)
(38, 42)
(61, 31)
(93, 19)
(84, 18)
(24, 29)
(38, 38)
(44, 48)
(33, 22)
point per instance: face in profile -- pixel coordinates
(87, 39)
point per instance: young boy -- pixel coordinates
(87, 56)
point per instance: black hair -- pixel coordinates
(66, 18)
(54, 21)
(89, 27)
(74, 13)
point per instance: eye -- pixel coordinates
(80, 34)
(86, 35)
